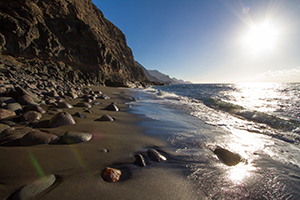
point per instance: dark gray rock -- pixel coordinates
(104, 96)
(73, 137)
(31, 116)
(7, 100)
(14, 107)
(227, 157)
(155, 155)
(112, 107)
(31, 190)
(105, 118)
(84, 104)
(139, 160)
(80, 115)
(11, 134)
(38, 137)
(25, 100)
(61, 119)
(64, 105)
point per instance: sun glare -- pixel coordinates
(261, 39)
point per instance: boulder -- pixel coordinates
(227, 157)
(31, 190)
(4, 113)
(61, 119)
(35, 107)
(38, 137)
(14, 107)
(111, 175)
(25, 100)
(11, 134)
(155, 155)
(73, 137)
(7, 100)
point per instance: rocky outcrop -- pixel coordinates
(66, 39)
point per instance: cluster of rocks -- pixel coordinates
(142, 159)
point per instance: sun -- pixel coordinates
(261, 39)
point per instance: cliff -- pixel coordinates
(66, 39)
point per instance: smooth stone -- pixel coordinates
(53, 93)
(7, 100)
(11, 134)
(3, 127)
(61, 119)
(111, 175)
(104, 150)
(139, 160)
(112, 107)
(4, 113)
(64, 104)
(88, 111)
(84, 104)
(96, 103)
(105, 118)
(35, 107)
(13, 106)
(80, 115)
(31, 116)
(156, 156)
(34, 188)
(25, 100)
(227, 157)
(104, 96)
(72, 95)
(37, 137)
(73, 137)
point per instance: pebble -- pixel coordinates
(73, 137)
(64, 104)
(38, 137)
(104, 96)
(80, 115)
(31, 190)
(139, 160)
(111, 175)
(61, 119)
(4, 113)
(156, 156)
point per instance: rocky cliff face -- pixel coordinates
(66, 39)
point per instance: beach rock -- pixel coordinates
(53, 93)
(31, 116)
(104, 96)
(64, 104)
(155, 155)
(31, 190)
(61, 119)
(139, 160)
(4, 113)
(96, 103)
(3, 127)
(35, 107)
(112, 107)
(73, 95)
(88, 111)
(111, 174)
(13, 106)
(105, 118)
(11, 134)
(73, 137)
(84, 104)
(37, 137)
(227, 157)
(80, 115)
(7, 100)
(25, 100)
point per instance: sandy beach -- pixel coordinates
(77, 167)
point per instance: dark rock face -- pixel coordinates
(70, 40)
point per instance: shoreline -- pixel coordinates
(78, 166)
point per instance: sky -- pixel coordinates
(212, 41)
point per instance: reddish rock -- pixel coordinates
(111, 174)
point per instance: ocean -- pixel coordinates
(259, 121)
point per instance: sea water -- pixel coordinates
(259, 121)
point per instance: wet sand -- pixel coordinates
(78, 166)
